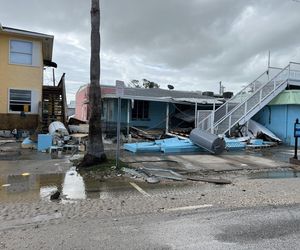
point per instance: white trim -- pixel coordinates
(27, 33)
(35, 56)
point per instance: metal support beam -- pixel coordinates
(167, 117)
(196, 110)
(118, 133)
(128, 115)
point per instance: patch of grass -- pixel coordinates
(105, 166)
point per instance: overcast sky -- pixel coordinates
(191, 44)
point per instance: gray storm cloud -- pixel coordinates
(193, 43)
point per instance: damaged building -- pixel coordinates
(25, 103)
(148, 108)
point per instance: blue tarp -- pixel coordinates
(175, 145)
(232, 144)
(171, 145)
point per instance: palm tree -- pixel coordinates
(95, 149)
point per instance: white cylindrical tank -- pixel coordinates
(58, 128)
(208, 141)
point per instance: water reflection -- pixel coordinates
(276, 174)
(46, 191)
(35, 187)
(73, 186)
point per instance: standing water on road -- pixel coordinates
(275, 174)
(71, 185)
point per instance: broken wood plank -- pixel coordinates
(142, 133)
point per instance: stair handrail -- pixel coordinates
(294, 70)
(206, 118)
(228, 113)
(283, 81)
(240, 104)
(241, 92)
(234, 96)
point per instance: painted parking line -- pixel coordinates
(189, 207)
(143, 192)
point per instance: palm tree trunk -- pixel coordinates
(95, 150)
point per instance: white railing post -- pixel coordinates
(260, 95)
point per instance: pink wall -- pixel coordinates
(82, 97)
(81, 109)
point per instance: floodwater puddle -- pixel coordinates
(275, 174)
(71, 185)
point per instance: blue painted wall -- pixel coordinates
(157, 114)
(280, 120)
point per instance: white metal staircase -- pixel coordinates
(251, 99)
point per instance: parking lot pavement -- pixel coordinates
(267, 158)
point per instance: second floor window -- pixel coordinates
(20, 52)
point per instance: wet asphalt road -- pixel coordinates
(204, 228)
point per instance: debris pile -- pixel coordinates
(151, 135)
(257, 137)
(57, 141)
(154, 175)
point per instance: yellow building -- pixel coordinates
(23, 55)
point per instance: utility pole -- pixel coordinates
(221, 88)
(53, 76)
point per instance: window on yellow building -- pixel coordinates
(21, 52)
(20, 100)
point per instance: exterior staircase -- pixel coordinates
(54, 105)
(250, 100)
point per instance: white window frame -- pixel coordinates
(32, 52)
(18, 112)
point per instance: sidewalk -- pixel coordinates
(267, 158)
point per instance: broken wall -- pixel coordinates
(280, 120)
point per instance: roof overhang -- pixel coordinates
(199, 101)
(47, 40)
